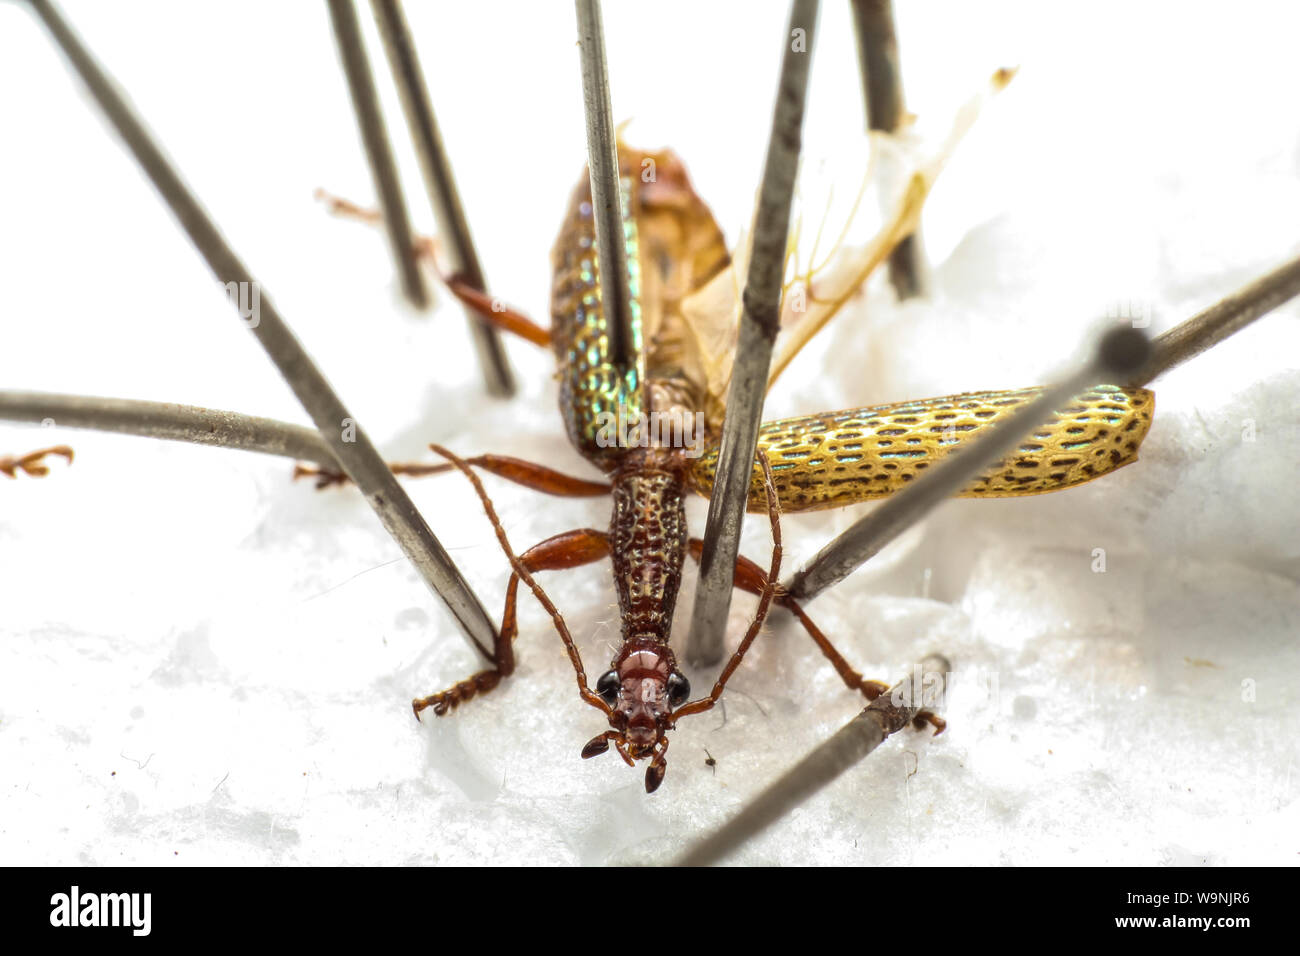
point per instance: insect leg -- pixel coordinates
(569, 549)
(498, 313)
(596, 545)
(750, 577)
(426, 247)
(347, 209)
(32, 463)
(538, 477)
(526, 473)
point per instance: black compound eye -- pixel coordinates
(607, 687)
(679, 688)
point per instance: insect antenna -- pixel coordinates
(765, 599)
(521, 570)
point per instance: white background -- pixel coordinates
(201, 662)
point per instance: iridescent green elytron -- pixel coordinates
(839, 458)
(591, 385)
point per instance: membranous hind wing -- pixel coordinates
(842, 458)
(833, 459)
(851, 211)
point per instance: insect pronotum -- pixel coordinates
(217, 624)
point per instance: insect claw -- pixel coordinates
(441, 703)
(595, 747)
(933, 719)
(338, 206)
(31, 464)
(421, 704)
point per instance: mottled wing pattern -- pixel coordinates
(840, 458)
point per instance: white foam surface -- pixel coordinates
(203, 663)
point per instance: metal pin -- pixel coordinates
(606, 196)
(440, 183)
(1226, 317)
(352, 448)
(169, 422)
(1118, 354)
(374, 136)
(886, 715)
(1186, 340)
(759, 324)
(882, 92)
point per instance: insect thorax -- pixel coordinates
(648, 540)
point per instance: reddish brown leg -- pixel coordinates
(526, 473)
(491, 309)
(32, 464)
(750, 577)
(494, 311)
(347, 209)
(570, 549)
(426, 247)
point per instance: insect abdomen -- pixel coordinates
(840, 458)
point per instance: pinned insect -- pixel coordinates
(684, 285)
(680, 270)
